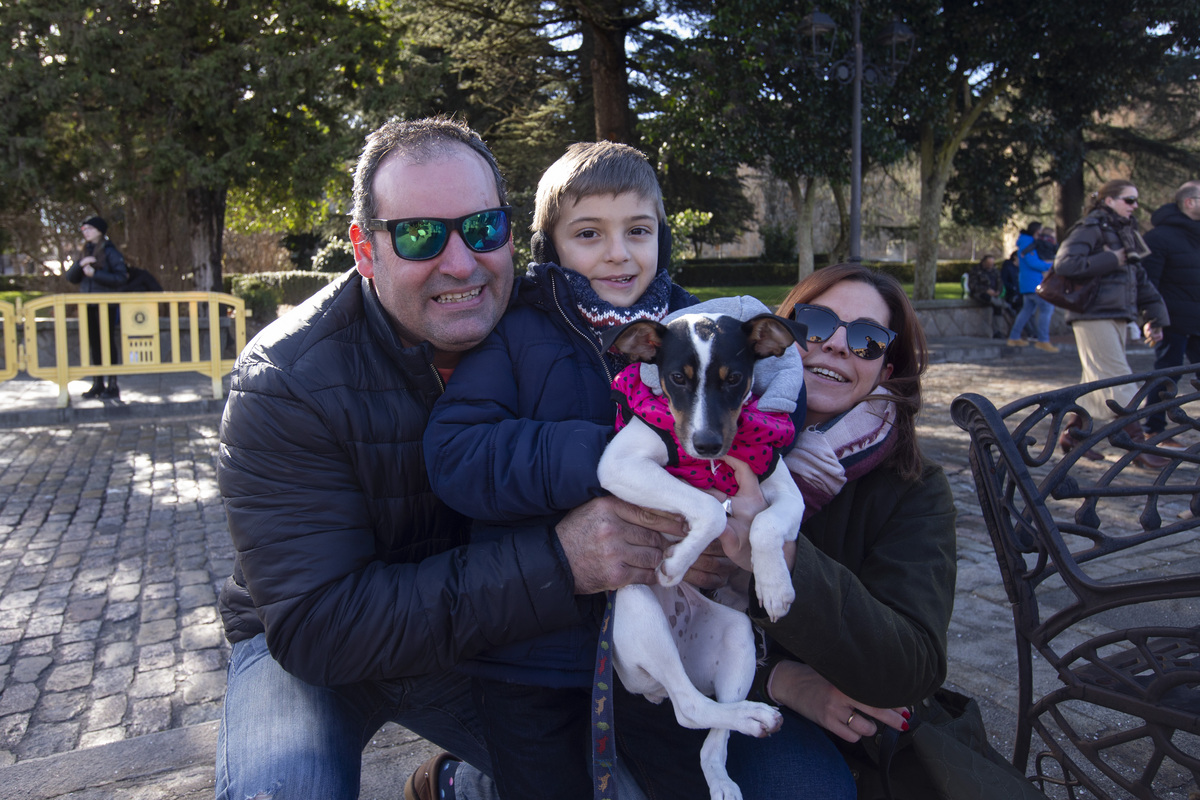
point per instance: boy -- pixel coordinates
(518, 435)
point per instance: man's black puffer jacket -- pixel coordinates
(1174, 266)
(344, 556)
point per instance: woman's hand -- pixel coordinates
(742, 508)
(89, 270)
(800, 688)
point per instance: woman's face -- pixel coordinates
(835, 377)
(1125, 204)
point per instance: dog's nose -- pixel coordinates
(708, 444)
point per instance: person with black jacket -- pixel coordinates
(1174, 267)
(355, 591)
(1105, 246)
(101, 268)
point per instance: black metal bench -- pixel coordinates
(1100, 564)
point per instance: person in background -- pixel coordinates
(1173, 266)
(101, 268)
(1032, 269)
(1105, 246)
(985, 286)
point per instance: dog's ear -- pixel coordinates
(639, 339)
(772, 335)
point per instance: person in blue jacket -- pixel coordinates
(1033, 267)
(518, 436)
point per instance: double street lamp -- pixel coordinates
(897, 40)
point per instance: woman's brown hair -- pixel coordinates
(908, 354)
(1113, 188)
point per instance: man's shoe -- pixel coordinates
(113, 392)
(1170, 441)
(1045, 347)
(96, 390)
(1016, 343)
(423, 784)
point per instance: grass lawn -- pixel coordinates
(772, 296)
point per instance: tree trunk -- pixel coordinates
(206, 224)
(841, 248)
(935, 172)
(804, 197)
(1068, 207)
(610, 85)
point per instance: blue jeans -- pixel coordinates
(1032, 304)
(799, 761)
(1171, 352)
(283, 737)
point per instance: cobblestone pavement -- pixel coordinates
(113, 545)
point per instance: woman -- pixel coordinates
(102, 268)
(875, 565)
(1105, 245)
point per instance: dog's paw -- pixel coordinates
(775, 600)
(666, 577)
(724, 789)
(757, 719)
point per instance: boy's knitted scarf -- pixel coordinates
(827, 456)
(602, 315)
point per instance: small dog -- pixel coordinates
(669, 640)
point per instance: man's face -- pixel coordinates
(988, 262)
(455, 299)
(1191, 207)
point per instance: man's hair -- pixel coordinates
(1187, 191)
(416, 141)
(1033, 227)
(594, 168)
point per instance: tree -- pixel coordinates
(742, 92)
(199, 96)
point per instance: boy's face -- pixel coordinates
(612, 240)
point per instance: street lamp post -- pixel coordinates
(854, 69)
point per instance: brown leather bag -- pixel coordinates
(1073, 295)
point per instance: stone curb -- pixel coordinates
(43, 417)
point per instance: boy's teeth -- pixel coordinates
(457, 297)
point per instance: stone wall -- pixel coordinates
(945, 318)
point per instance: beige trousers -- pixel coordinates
(1101, 344)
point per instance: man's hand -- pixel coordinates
(1153, 334)
(610, 543)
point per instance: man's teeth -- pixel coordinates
(825, 373)
(457, 297)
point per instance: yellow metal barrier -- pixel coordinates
(141, 347)
(8, 324)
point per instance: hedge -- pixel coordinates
(761, 273)
(264, 292)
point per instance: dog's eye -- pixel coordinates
(733, 379)
(678, 378)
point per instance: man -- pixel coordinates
(985, 288)
(353, 591)
(1174, 267)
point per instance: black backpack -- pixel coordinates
(141, 281)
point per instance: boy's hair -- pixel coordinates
(594, 168)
